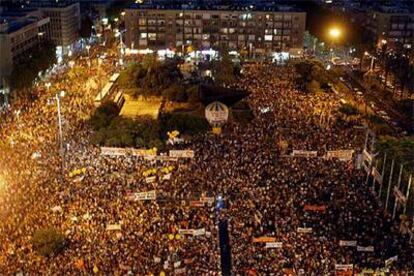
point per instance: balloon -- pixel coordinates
(95, 269)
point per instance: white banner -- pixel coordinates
(150, 179)
(150, 195)
(110, 151)
(193, 232)
(166, 176)
(274, 245)
(304, 230)
(344, 266)
(181, 153)
(304, 153)
(391, 260)
(113, 227)
(199, 232)
(177, 264)
(208, 200)
(162, 158)
(347, 243)
(343, 155)
(179, 271)
(365, 249)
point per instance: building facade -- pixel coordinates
(20, 33)
(393, 26)
(65, 22)
(259, 31)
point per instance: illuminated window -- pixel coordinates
(268, 37)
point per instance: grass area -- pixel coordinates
(134, 108)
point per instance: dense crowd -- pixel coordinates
(264, 189)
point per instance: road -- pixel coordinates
(379, 105)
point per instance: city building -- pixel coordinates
(256, 31)
(20, 32)
(65, 20)
(392, 25)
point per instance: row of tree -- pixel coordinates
(116, 131)
(27, 70)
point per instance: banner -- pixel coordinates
(177, 264)
(399, 196)
(199, 232)
(344, 266)
(166, 176)
(192, 232)
(304, 153)
(181, 153)
(304, 230)
(347, 243)
(179, 271)
(57, 209)
(113, 227)
(150, 179)
(391, 260)
(161, 158)
(365, 249)
(197, 203)
(186, 231)
(110, 151)
(150, 195)
(315, 208)
(208, 200)
(264, 239)
(274, 245)
(343, 155)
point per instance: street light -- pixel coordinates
(334, 33)
(58, 96)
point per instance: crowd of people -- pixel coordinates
(264, 189)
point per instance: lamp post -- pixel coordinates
(334, 34)
(88, 47)
(121, 43)
(58, 96)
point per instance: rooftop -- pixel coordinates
(10, 25)
(394, 9)
(233, 7)
(50, 3)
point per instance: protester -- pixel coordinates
(264, 188)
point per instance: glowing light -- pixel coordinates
(334, 32)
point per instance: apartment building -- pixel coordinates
(20, 32)
(237, 29)
(393, 25)
(65, 20)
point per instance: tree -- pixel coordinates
(26, 71)
(48, 242)
(313, 86)
(104, 115)
(192, 94)
(223, 70)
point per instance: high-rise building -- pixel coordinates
(65, 20)
(392, 25)
(20, 32)
(261, 31)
